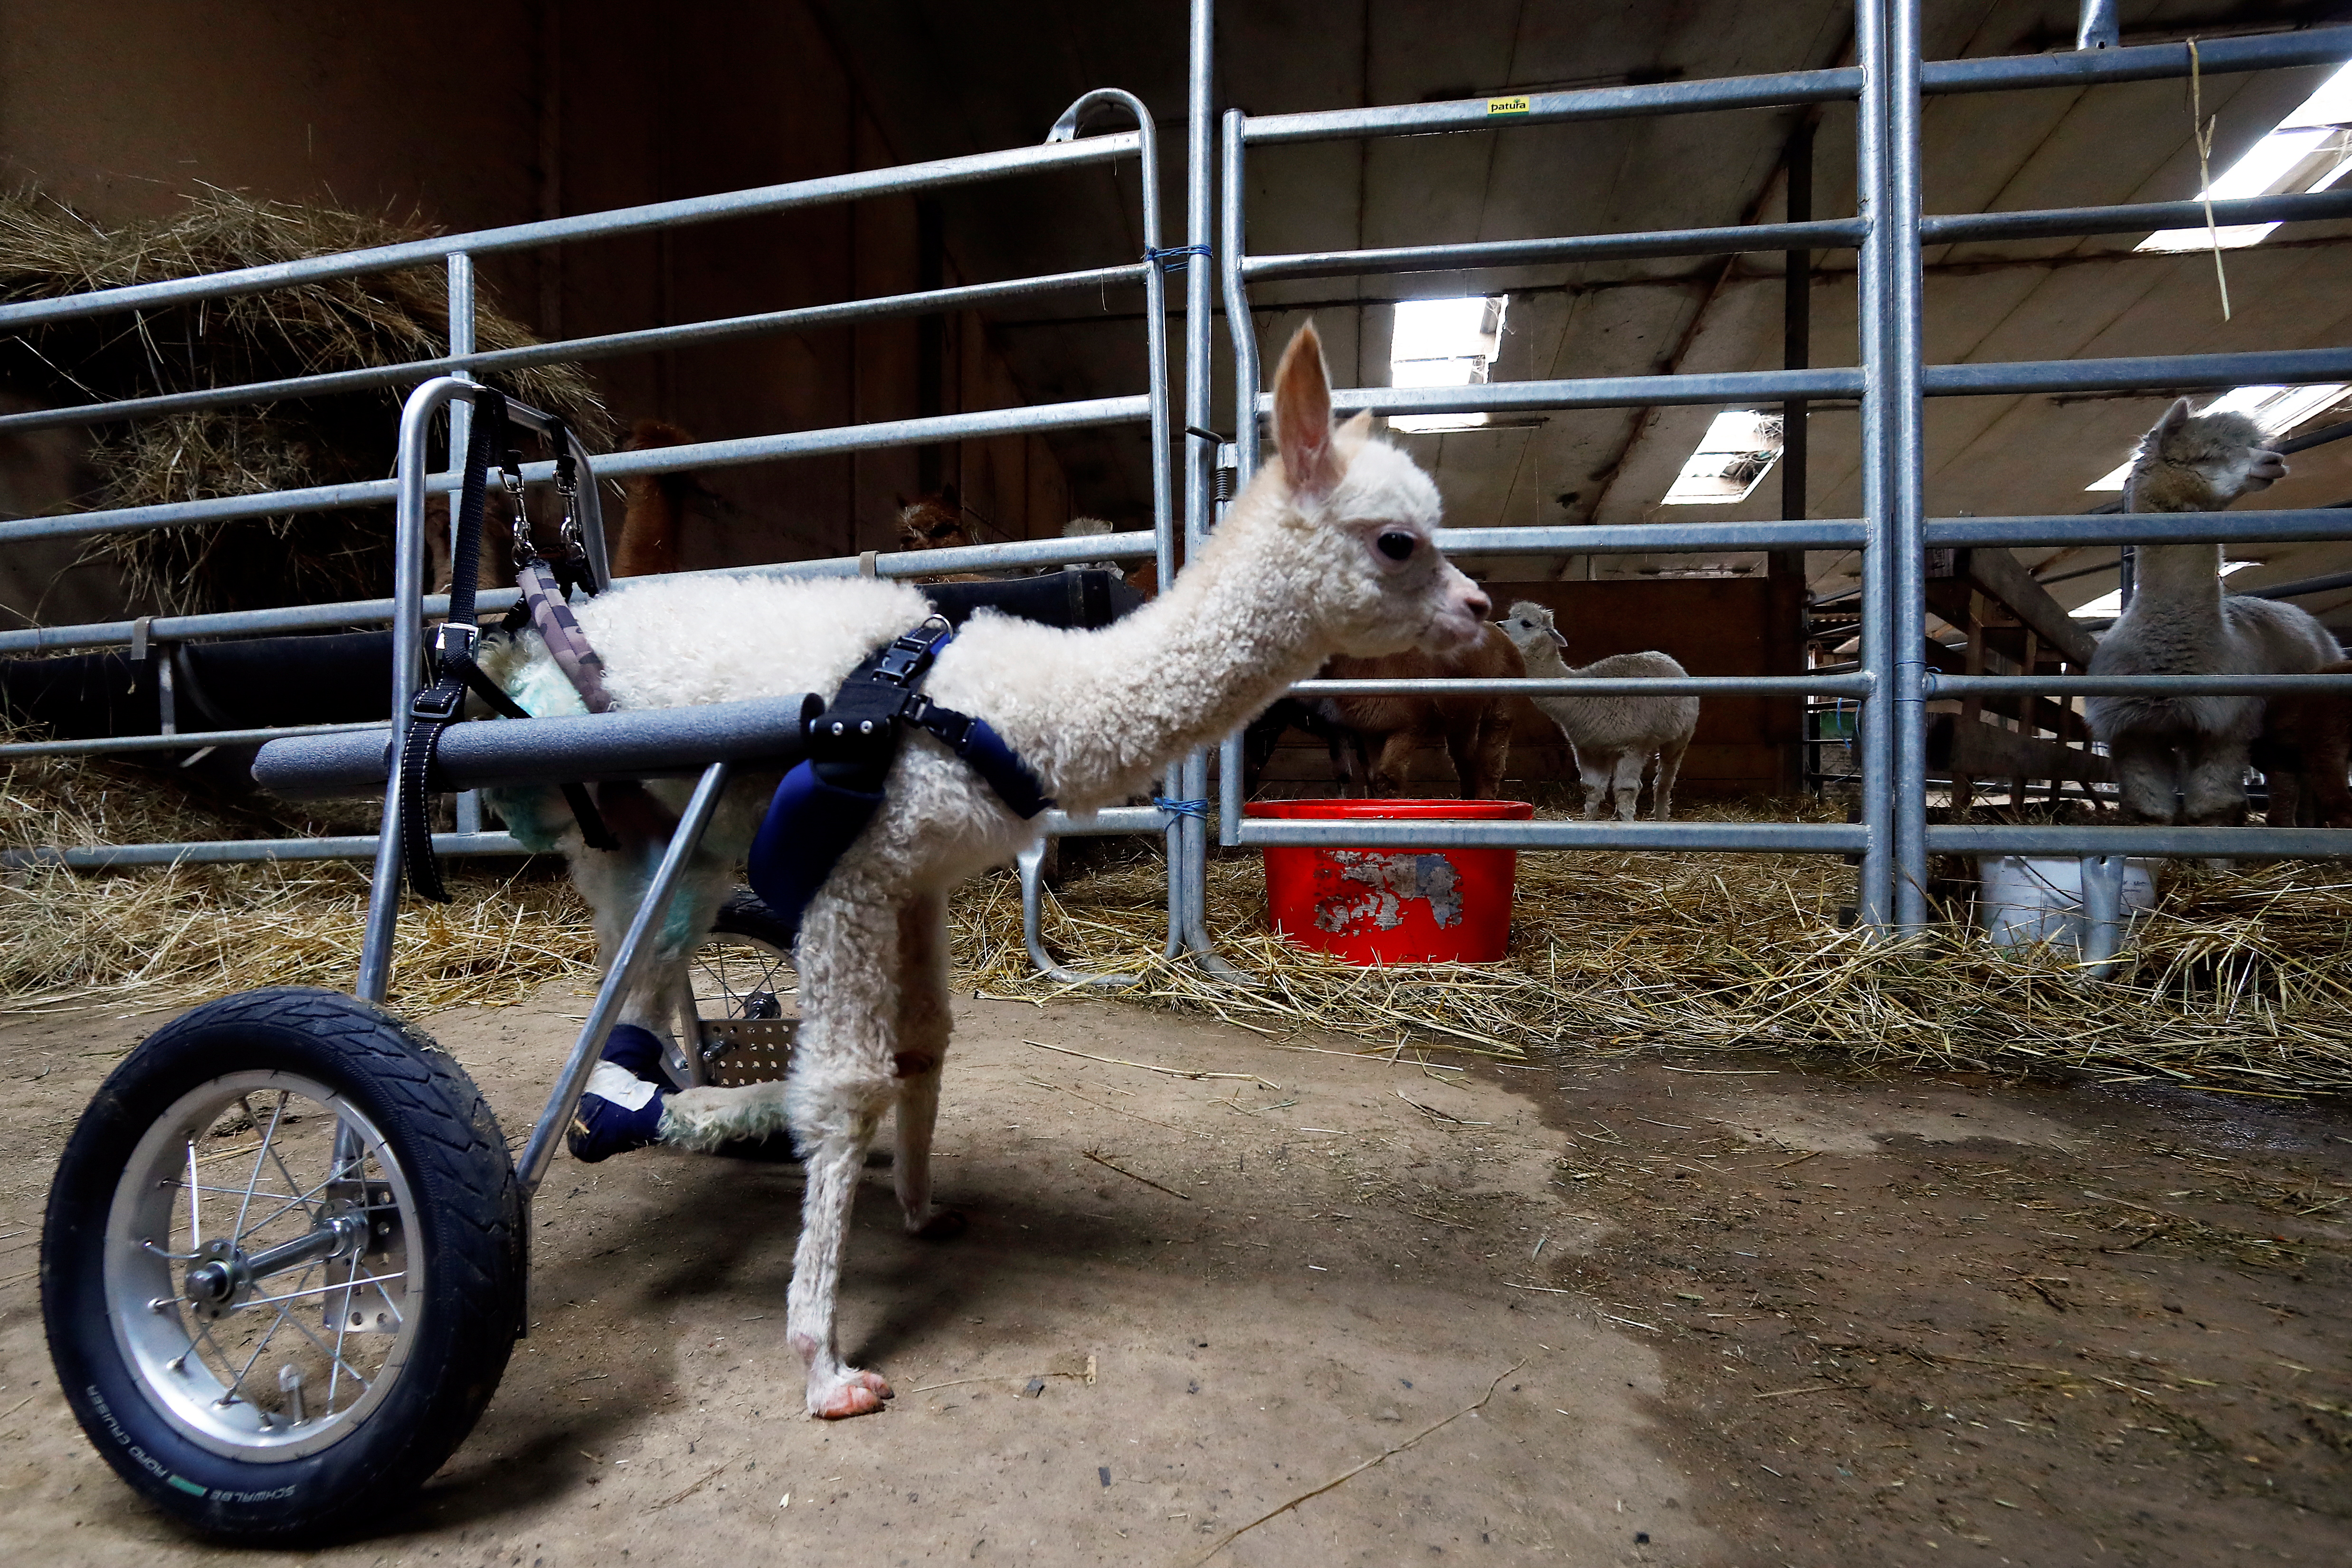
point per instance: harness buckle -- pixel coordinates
(950, 727)
(910, 653)
(454, 642)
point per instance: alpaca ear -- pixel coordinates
(2174, 417)
(1302, 417)
(948, 497)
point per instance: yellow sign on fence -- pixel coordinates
(1514, 104)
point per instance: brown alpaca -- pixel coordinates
(936, 521)
(656, 505)
(1476, 731)
(933, 521)
(2306, 751)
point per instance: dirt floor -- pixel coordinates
(1712, 1309)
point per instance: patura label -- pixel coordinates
(1514, 104)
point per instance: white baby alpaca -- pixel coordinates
(1329, 551)
(1613, 737)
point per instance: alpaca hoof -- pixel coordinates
(944, 1225)
(852, 1393)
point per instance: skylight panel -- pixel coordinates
(1444, 343)
(2107, 606)
(2307, 151)
(2275, 411)
(1731, 459)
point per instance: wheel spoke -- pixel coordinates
(335, 1360)
(330, 1285)
(196, 1216)
(280, 1161)
(261, 1156)
(267, 1335)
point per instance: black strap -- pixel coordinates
(455, 673)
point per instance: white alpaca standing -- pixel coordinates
(1329, 551)
(1613, 737)
(2181, 623)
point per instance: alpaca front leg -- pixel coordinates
(1625, 783)
(1394, 766)
(1593, 770)
(2214, 782)
(2149, 774)
(923, 1026)
(833, 1140)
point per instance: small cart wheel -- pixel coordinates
(282, 1266)
(744, 967)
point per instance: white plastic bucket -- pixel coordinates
(2027, 899)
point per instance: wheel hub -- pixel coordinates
(225, 1275)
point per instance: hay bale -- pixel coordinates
(382, 318)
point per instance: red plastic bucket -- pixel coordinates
(1394, 905)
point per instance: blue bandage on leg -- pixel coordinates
(621, 1108)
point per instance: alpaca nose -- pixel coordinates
(1476, 605)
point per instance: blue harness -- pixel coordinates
(827, 801)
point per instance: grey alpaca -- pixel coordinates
(2184, 758)
(1613, 737)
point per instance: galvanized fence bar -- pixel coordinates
(1199, 239)
(1874, 881)
(238, 852)
(1897, 218)
(1596, 686)
(944, 427)
(1241, 334)
(1012, 555)
(2150, 372)
(1820, 234)
(1683, 833)
(905, 179)
(1698, 834)
(2216, 57)
(1943, 685)
(464, 360)
(178, 740)
(462, 324)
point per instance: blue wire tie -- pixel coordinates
(1198, 810)
(1174, 258)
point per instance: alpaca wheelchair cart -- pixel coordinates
(285, 1257)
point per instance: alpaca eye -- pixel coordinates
(1397, 546)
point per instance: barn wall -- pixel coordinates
(482, 114)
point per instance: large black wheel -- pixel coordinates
(282, 1267)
